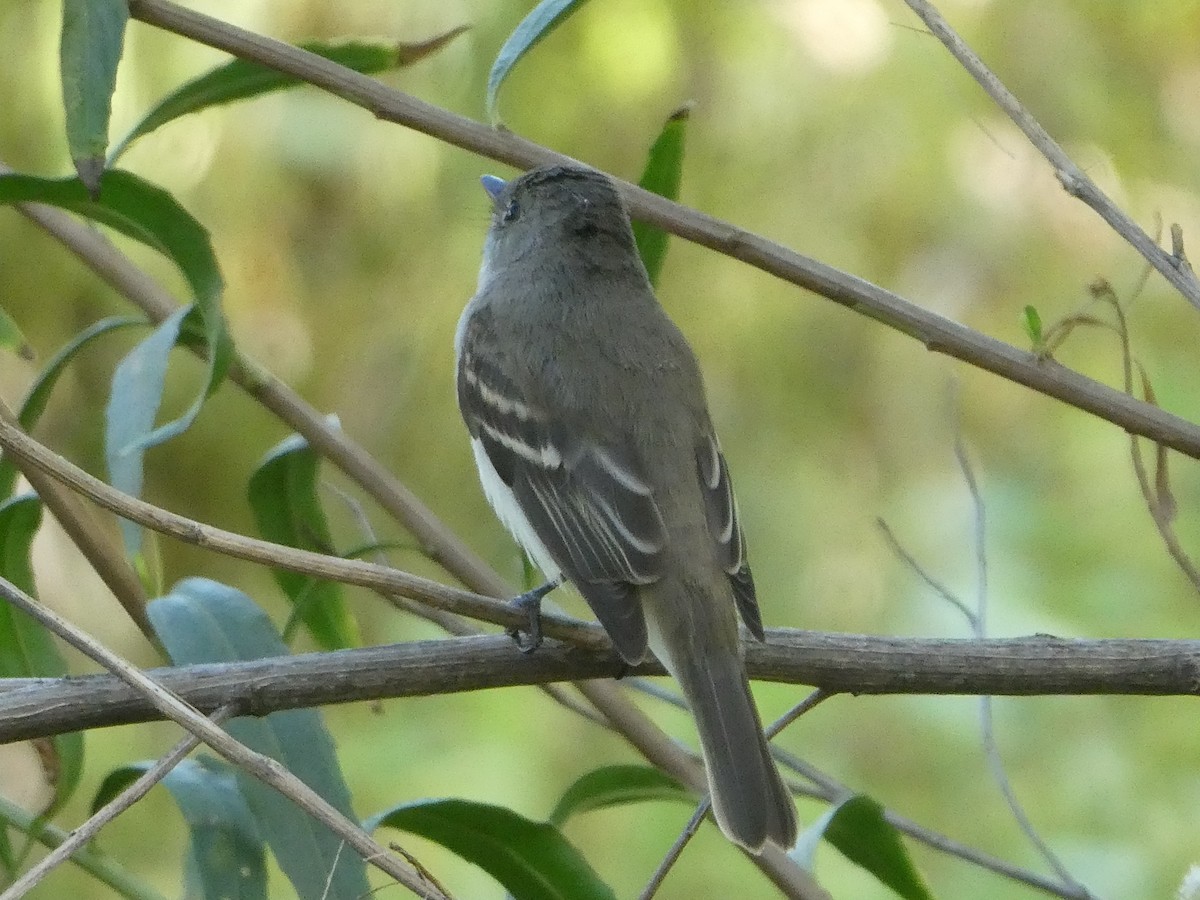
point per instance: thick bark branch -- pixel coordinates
(842, 663)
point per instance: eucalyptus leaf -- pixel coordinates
(93, 33)
(662, 175)
(26, 648)
(532, 860)
(241, 79)
(35, 401)
(616, 785)
(226, 856)
(203, 621)
(283, 492)
(540, 21)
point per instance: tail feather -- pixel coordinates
(751, 804)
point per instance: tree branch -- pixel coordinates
(937, 333)
(264, 768)
(1174, 269)
(837, 663)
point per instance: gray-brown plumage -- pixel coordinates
(590, 428)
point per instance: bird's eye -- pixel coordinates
(511, 212)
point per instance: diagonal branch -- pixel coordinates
(81, 836)
(1174, 268)
(937, 333)
(261, 767)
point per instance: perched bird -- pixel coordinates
(592, 435)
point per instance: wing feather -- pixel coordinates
(720, 506)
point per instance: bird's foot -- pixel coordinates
(530, 603)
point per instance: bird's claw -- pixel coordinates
(530, 603)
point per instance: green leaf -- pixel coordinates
(203, 621)
(542, 19)
(39, 394)
(137, 389)
(226, 857)
(92, 34)
(858, 829)
(662, 176)
(26, 648)
(615, 785)
(150, 215)
(12, 338)
(1033, 327)
(283, 495)
(241, 79)
(532, 860)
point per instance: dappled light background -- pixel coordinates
(836, 127)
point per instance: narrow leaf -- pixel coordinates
(1032, 322)
(540, 21)
(204, 621)
(662, 176)
(137, 387)
(39, 394)
(11, 337)
(858, 829)
(26, 648)
(241, 79)
(532, 860)
(150, 215)
(615, 785)
(93, 32)
(226, 857)
(283, 495)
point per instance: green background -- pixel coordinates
(836, 127)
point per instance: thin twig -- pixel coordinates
(921, 572)
(80, 837)
(348, 571)
(793, 881)
(101, 549)
(818, 696)
(1073, 179)
(991, 747)
(673, 854)
(102, 868)
(259, 766)
(1158, 502)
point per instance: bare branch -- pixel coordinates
(80, 836)
(261, 767)
(838, 663)
(1074, 180)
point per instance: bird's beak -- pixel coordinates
(492, 185)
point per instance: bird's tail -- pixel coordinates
(749, 800)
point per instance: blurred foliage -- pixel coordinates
(837, 127)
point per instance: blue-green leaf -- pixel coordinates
(204, 621)
(226, 857)
(39, 394)
(93, 32)
(532, 860)
(542, 19)
(148, 214)
(26, 648)
(241, 79)
(615, 785)
(662, 175)
(858, 829)
(283, 495)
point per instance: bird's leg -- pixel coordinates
(530, 603)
